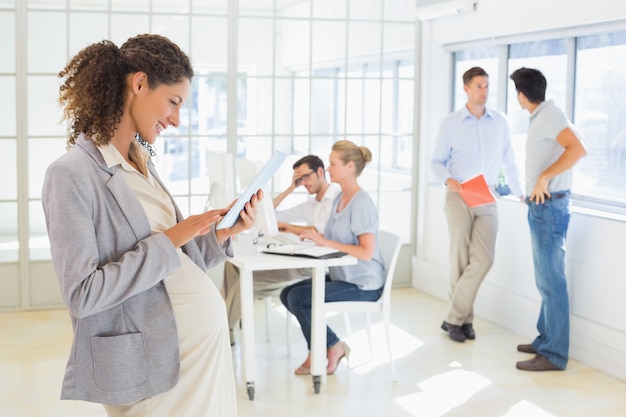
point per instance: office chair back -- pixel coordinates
(390, 250)
(389, 244)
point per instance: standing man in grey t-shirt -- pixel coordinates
(553, 147)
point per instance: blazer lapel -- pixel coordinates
(124, 196)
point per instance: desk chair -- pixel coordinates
(389, 244)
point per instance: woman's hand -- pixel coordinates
(314, 236)
(192, 226)
(246, 218)
(364, 250)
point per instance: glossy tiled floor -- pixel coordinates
(436, 377)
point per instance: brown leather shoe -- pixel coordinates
(537, 364)
(526, 348)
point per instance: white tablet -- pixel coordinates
(261, 178)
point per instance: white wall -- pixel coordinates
(508, 297)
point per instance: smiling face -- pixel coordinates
(154, 110)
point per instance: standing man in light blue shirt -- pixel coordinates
(472, 140)
(553, 147)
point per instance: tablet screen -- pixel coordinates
(261, 178)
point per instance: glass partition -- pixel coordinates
(549, 57)
(600, 115)
(8, 169)
(308, 74)
(7, 46)
(484, 57)
(9, 243)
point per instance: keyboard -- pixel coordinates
(283, 239)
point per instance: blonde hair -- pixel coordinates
(350, 152)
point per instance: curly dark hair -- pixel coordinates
(95, 81)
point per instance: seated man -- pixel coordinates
(313, 213)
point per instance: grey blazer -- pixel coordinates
(110, 271)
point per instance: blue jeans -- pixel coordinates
(297, 299)
(548, 229)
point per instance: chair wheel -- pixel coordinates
(317, 380)
(250, 390)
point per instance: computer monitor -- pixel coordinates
(221, 173)
(246, 169)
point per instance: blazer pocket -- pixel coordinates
(119, 362)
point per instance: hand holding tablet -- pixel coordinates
(262, 177)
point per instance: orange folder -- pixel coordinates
(475, 192)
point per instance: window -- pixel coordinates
(550, 58)
(289, 98)
(182, 153)
(294, 92)
(487, 59)
(585, 81)
(370, 104)
(600, 114)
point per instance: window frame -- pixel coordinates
(592, 205)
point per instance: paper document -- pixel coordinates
(475, 192)
(310, 251)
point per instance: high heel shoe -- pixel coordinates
(330, 369)
(305, 368)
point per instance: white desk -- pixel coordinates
(247, 264)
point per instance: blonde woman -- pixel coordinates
(351, 228)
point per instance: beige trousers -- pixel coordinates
(472, 234)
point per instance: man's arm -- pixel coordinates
(574, 150)
(280, 197)
(363, 250)
(293, 228)
(440, 159)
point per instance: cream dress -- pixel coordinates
(207, 384)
